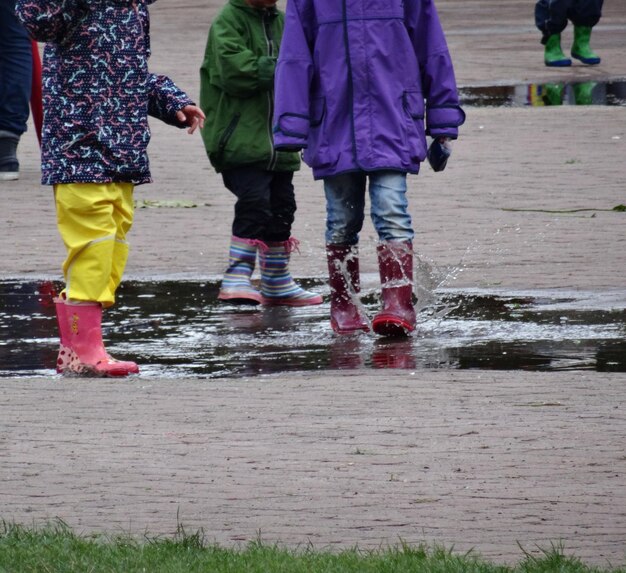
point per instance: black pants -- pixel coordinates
(551, 16)
(266, 203)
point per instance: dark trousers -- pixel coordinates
(551, 16)
(16, 69)
(266, 203)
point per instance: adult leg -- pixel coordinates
(345, 204)
(395, 253)
(15, 87)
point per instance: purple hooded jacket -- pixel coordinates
(360, 83)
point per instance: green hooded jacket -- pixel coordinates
(237, 89)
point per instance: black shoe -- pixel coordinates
(9, 165)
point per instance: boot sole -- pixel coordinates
(587, 61)
(88, 372)
(559, 64)
(292, 302)
(240, 298)
(347, 331)
(392, 328)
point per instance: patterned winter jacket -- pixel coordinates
(97, 89)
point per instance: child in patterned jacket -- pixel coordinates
(98, 93)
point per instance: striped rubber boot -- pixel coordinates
(277, 284)
(236, 286)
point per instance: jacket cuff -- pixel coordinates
(444, 120)
(292, 129)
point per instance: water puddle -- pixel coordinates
(174, 329)
(610, 93)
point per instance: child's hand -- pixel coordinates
(192, 116)
(439, 152)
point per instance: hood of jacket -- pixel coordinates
(243, 5)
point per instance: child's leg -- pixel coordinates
(252, 213)
(395, 253)
(123, 215)
(277, 284)
(345, 205)
(282, 206)
(551, 16)
(345, 208)
(93, 220)
(551, 20)
(585, 14)
(389, 206)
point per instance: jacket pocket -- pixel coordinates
(227, 134)
(317, 111)
(414, 108)
(317, 151)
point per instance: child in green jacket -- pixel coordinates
(237, 96)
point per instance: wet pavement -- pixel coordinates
(498, 428)
(609, 93)
(178, 329)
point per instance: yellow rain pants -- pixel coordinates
(93, 220)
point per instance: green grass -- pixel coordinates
(56, 549)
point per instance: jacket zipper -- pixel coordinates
(267, 30)
(346, 40)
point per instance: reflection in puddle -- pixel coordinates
(174, 328)
(580, 93)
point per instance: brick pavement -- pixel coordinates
(478, 460)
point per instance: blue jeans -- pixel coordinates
(16, 69)
(345, 206)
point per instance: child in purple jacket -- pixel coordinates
(359, 85)
(97, 95)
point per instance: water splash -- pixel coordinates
(178, 328)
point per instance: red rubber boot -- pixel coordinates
(66, 355)
(395, 262)
(84, 323)
(343, 274)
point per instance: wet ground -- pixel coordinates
(498, 462)
(177, 329)
(610, 93)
